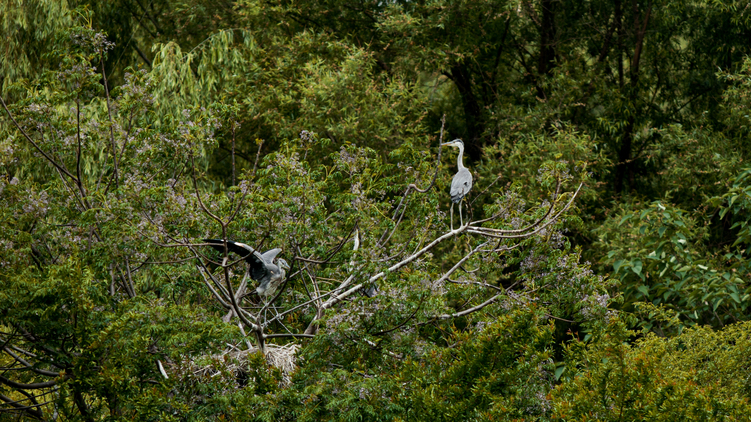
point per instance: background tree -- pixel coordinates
(314, 127)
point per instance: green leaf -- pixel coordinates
(559, 371)
(716, 305)
(643, 289)
(636, 266)
(617, 265)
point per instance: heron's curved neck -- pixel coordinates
(459, 157)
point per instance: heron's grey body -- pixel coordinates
(373, 289)
(261, 266)
(462, 182)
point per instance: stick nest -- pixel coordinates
(234, 362)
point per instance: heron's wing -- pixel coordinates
(258, 265)
(254, 259)
(460, 185)
(217, 245)
(270, 255)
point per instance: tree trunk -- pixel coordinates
(547, 39)
(624, 168)
(472, 111)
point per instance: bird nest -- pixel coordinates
(235, 362)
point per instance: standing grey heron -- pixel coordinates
(373, 289)
(261, 266)
(462, 182)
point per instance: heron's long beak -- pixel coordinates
(449, 144)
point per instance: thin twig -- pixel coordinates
(60, 167)
(258, 156)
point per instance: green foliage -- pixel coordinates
(699, 375)
(499, 370)
(29, 30)
(735, 204)
(135, 130)
(671, 266)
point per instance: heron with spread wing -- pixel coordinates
(462, 182)
(261, 266)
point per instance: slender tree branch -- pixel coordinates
(470, 310)
(60, 167)
(200, 201)
(216, 295)
(552, 205)
(30, 366)
(267, 336)
(406, 320)
(503, 234)
(17, 406)
(282, 314)
(258, 157)
(35, 386)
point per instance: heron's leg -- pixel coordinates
(452, 216)
(269, 307)
(265, 311)
(461, 220)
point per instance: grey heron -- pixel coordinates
(373, 289)
(462, 182)
(261, 266)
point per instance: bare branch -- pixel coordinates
(461, 261)
(505, 234)
(476, 283)
(239, 205)
(30, 366)
(336, 298)
(282, 314)
(552, 205)
(17, 406)
(485, 190)
(438, 161)
(258, 156)
(288, 335)
(35, 386)
(472, 309)
(216, 295)
(406, 320)
(239, 312)
(200, 201)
